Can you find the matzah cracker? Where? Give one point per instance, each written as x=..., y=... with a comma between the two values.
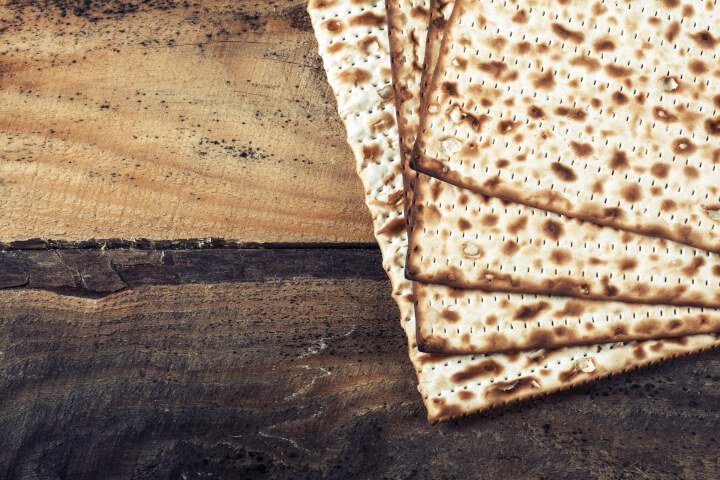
x=463, y=239
x=466, y=321
x=600, y=110
x=451, y=385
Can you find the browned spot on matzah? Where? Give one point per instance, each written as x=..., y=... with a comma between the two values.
x=486, y=368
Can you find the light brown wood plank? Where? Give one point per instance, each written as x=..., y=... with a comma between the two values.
x=167, y=119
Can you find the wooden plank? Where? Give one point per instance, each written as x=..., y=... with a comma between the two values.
x=281, y=370
x=168, y=119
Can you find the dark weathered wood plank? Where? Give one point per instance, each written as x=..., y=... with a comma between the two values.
x=275, y=369
x=82, y=272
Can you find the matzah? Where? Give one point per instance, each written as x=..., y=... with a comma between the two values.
x=451, y=385
x=466, y=321
x=599, y=110
x=463, y=239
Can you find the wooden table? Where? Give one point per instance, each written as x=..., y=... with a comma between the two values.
x=254, y=336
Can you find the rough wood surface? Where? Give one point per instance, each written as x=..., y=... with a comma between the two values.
x=170, y=119
x=289, y=364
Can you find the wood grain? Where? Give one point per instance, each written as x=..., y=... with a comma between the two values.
x=169, y=119
x=277, y=369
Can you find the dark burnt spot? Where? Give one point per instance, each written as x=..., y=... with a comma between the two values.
x=393, y=228
x=502, y=163
x=563, y=331
x=334, y=26
x=674, y=324
x=618, y=71
x=466, y=395
x=668, y=205
x=613, y=212
x=567, y=34
x=631, y=192
x=604, y=45
x=698, y=67
x=493, y=68
x=498, y=43
x=663, y=115
x=545, y=81
x=490, y=220
x=510, y=247
x=660, y=170
x=683, y=146
x=647, y=326
x=368, y=19
x=552, y=229
x=450, y=315
x=371, y=152
x=486, y=368
x=581, y=149
x=336, y=47
x=536, y=112
x=573, y=113
x=383, y=122
x=464, y=224
x=523, y=47
x=691, y=172
x=628, y=264
x=692, y=269
x=639, y=352
x=511, y=388
x=419, y=12
x=475, y=121
x=447, y=411
x=572, y=308
x=712, y=125
x=563, y=172
x=435, y=190
x=619, y=330
x=704, y=39
x=568, y=375
x=716, y=270
x=560, y=256
x=517, y=225
x=490, y=320
x=716, y=101
x=530, y=312
x=670, y=3
x=541, y=338
x=586, y=62
x=520, y=17
x=619, y=160
x=672, y=31
x=608, y=289
x=450, y=88
x=354, y=76
x=506, y=126
x=619, y=98
x=716, y=155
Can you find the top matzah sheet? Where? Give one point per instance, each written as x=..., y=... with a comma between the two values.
x=606, y=111
x=451, y=386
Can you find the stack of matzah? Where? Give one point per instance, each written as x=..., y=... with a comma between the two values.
x=566, y=223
